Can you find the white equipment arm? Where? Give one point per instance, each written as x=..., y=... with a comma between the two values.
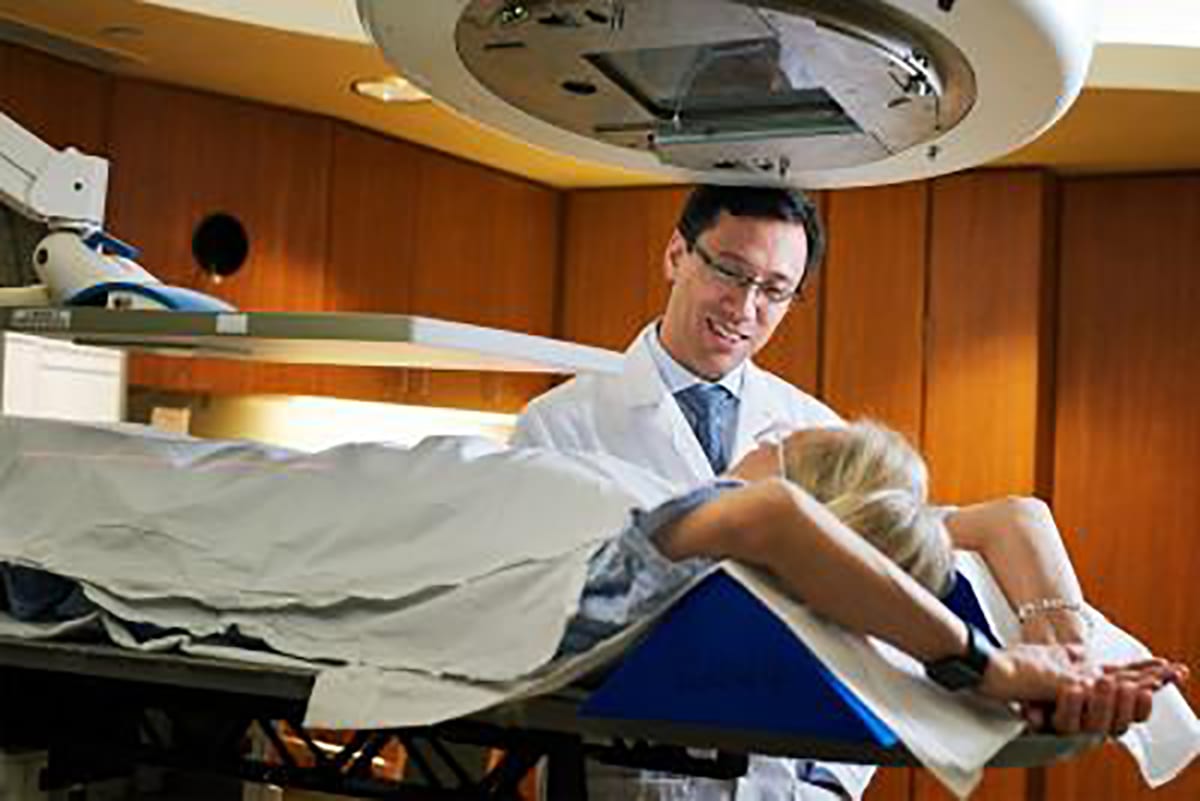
x=62, y=188
x=77, y=262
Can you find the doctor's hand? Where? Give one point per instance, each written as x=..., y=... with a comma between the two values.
x=765, y=461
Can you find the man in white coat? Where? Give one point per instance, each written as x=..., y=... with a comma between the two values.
x=689, y=402
x=736, y=262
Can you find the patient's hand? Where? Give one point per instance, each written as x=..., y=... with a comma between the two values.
x=1123, y=695
x=1060, y=688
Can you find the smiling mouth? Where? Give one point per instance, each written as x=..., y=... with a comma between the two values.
x=727, y=334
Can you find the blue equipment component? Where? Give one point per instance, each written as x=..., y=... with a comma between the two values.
x=721, y=658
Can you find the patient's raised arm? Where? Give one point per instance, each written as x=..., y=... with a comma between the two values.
x=774, y=525
x=1021, y=543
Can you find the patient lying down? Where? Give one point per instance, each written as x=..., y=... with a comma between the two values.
x=865, y=480
x=341, y=555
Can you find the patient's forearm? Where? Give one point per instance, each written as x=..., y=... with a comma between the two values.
x=1021, y=544
x=781, y=529
x=778, y=527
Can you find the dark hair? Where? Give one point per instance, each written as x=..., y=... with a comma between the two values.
x=707, y=201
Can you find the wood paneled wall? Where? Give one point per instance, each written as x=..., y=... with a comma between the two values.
x=614, y=279
x=179, y=156
x=875, y=286
x=337, y=218
x=1127, y=455
x=64, y=104
x=991, y=280
x=486, y=252
x=874, y=280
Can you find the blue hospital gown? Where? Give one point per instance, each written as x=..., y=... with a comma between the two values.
x=629, y=577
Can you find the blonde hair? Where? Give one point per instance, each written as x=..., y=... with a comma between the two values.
x=877, y=484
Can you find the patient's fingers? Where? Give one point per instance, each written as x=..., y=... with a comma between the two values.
x=1156, y=664
x=1037, y=715
x=1107, y=702
x=1141, y=664
x=1100, y=707
x=1125, y=710
x=1143, y=705
x=1152, y=673
x=1159, y=668
x=1108, y=707
x=1068, y=710
x=1078, y=653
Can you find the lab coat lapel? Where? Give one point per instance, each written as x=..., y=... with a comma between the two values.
x=654, y=414
x=758, y=412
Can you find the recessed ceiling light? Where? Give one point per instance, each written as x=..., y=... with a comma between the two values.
x=393, y=89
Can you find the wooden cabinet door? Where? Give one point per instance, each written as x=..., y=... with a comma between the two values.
x=373, y=243
x=873, y=333
x=486, y=252
x=990, y=345
x=613, y=275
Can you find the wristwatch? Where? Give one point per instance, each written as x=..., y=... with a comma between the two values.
x=964, y=671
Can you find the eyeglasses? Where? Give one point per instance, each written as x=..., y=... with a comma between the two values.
x=776, y=293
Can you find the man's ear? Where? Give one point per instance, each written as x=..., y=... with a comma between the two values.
x=676, y=249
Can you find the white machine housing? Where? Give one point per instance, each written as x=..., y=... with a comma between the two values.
x=570, y=76
x=76, y=261
x=60, y=187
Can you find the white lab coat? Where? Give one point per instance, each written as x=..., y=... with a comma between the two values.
x=632, y=415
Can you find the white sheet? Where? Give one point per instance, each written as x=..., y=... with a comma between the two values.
x=339, y=555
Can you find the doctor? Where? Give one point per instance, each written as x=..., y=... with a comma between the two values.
x=689, y=402
x=736, y=262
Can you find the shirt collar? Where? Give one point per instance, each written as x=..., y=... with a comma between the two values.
x=677, y=377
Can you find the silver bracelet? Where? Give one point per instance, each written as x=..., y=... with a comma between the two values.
x=1041, y=606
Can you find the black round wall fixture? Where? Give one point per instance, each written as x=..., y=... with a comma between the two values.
x=220, y=244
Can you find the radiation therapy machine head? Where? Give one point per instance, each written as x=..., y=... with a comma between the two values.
x=818, y=93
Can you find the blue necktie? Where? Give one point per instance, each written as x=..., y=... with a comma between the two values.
x=709, y=409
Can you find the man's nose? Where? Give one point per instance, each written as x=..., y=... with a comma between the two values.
x=747, y=299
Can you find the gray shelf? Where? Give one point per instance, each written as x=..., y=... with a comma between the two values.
x=382, y=340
